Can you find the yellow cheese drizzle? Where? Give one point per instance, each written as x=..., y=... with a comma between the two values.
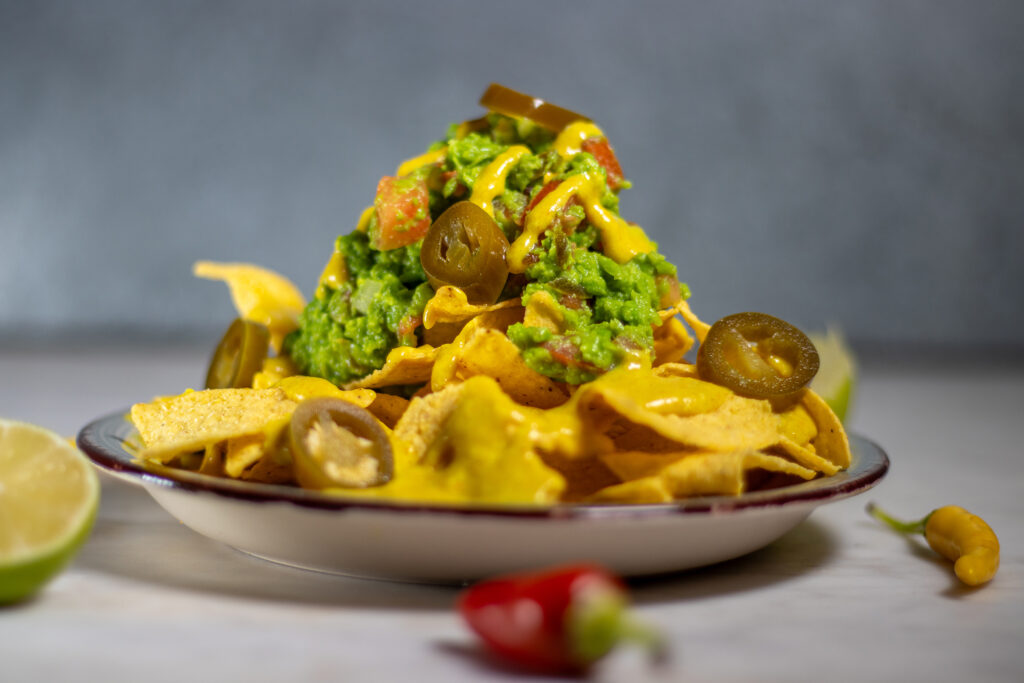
x=333, y=275
x=491, y=181
x=569, y=141
x=410, y=165
x=622, y=241
x=364, y=219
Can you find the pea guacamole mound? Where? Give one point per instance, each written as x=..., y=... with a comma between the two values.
x=553, y=197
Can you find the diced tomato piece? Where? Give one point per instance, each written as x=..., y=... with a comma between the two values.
x=445, y=176
x=669, y=290
x=403, y=212
x=565, y=352
x=570, y=300
x=407, y=329
x=409, y=323
x=602, y=151
x=544, y=192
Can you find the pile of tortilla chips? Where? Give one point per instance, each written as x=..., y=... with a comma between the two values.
x=486, y=428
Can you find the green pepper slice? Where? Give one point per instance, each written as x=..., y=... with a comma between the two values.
x=238, y=356
x=757, y=355
x=465, y=248
x=514, y=103
x=335, y=443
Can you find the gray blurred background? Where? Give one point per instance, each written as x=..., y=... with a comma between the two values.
x=860, y=163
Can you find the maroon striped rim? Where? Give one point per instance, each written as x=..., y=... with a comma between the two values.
x=105, y=439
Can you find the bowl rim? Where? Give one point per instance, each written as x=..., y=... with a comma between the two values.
x=104, y=441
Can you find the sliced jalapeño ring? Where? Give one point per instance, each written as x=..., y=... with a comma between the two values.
x=239, y=355
x=465, y=248
x=514, y=103
x=757, y=355
x=335, y=443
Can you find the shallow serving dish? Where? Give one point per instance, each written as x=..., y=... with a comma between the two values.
x=446, y=543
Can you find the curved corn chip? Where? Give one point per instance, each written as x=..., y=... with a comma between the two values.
x=470, y=441
x=671, y=341
x=259, y=295
x=403, y=365
x=831, y=441
x=450, y=305
x=544, y=312
x=699, y=327
x=194, y=420
x=694, y=474
x=489, y=352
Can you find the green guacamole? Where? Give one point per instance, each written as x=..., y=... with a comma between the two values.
x=607, y=311
x=346, y=333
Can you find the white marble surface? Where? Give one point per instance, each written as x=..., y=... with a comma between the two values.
x=839, y=598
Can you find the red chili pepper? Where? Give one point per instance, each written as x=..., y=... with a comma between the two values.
x=561, y=619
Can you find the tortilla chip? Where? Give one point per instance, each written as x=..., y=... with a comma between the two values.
x=300, y=387
x=806, y=457
x=675, y=369
x=645, y=491
x=446, y=367
x=442, y=333
x=544, y=312
x=404, y=365
x=485, y=449
x=583, y=476
x=671, y=341
x=699, y=327
x=194, y=420
x=450, y=305
x=242, y=452
x=797, y=425
x=630, y=465
x=645, y=390
x=703, y=474
x=274, y=369
x=831, y=441
x=737, y=423
x=723, y=473
x=259, y=294
x=388, y=408
x=490, y=353
x=213, y=460
x=627, y=436
x=273, y=467
x=423, y=420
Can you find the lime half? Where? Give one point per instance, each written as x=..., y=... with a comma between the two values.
x=837, y=376
x=49, y=494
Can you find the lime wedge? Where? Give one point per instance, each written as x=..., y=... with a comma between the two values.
x=49, y=493
x=837, y=376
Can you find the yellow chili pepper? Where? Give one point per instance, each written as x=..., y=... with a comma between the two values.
x=957, y=535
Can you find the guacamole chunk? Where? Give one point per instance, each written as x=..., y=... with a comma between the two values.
x=608, y=311
x=346, y=333
x=602, y=311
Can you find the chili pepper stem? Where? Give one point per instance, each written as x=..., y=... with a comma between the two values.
x=915, y=527
x=598, y=624
x=647, y=637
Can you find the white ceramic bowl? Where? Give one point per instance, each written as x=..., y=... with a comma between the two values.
x=429, y=542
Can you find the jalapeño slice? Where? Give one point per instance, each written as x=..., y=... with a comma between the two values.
x=514, y=103
x=238, y=356
x=335, y=443
x=465, y=248
x=757, y=355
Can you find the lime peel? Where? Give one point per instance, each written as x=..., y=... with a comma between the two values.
x=836, y=380
x=49, y=495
